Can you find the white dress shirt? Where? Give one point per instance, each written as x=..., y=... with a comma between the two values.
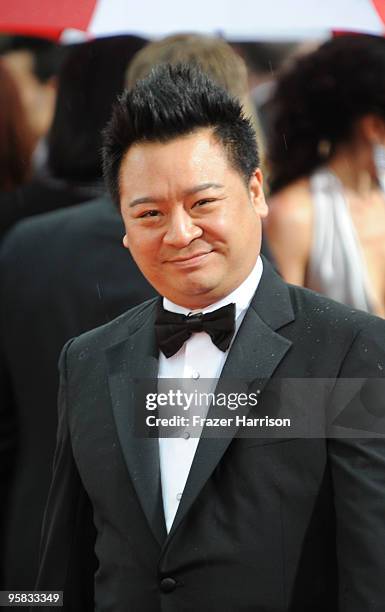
x=197, y=358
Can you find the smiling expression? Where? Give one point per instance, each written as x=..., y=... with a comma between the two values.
x=192, y=223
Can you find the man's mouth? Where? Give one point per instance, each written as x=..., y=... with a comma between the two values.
x=185, y=260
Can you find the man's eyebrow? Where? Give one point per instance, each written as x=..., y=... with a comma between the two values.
x=202, y=187
x=143, y=200
x=192, y=191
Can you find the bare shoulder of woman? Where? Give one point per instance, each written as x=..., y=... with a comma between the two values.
x=289, y=230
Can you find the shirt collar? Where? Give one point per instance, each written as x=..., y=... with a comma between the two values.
x=241, y=296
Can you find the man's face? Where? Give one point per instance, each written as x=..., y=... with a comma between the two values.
x=192, y=224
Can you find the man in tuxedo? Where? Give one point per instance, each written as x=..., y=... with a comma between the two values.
x=230, y=522
x=98, y=281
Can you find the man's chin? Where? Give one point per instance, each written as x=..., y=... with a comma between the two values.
x=196, y=295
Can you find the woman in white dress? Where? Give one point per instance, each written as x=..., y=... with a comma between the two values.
x=326, y=153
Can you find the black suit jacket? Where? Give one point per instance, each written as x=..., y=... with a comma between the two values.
x=61, y=274
x=41, y=195
x=264, y=524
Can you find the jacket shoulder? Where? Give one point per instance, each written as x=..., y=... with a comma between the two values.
x=114, y=331
x=312, y=305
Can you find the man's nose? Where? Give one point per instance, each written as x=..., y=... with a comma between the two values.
x=181, y=229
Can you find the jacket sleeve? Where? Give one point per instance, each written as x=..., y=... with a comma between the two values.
x=357, y=458
x=8, y=430
x=67, y=559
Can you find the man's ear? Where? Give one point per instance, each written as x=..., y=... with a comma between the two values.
x=125, y=241
x=257, y=197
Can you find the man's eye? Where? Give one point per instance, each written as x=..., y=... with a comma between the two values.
x=204, y=201
x=149, y=213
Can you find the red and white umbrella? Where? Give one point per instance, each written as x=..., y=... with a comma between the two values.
x=235, y=20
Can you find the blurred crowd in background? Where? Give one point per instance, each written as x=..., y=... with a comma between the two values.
x=319, y=115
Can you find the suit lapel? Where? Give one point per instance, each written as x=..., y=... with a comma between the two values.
x=129, y=362
x=255, y=354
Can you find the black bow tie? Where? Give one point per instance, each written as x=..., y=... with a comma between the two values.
x=172, y=329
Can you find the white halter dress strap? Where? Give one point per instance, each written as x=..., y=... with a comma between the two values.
x=336, y=266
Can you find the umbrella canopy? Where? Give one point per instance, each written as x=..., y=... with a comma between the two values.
x=235, y=20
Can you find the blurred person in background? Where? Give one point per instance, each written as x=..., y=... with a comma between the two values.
x=16, y=139
x=63, y=273
x=90, y=79
x=264, y=60
x=212, y=54
x=326, y=158
x=34, y=64
x=37, y=308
